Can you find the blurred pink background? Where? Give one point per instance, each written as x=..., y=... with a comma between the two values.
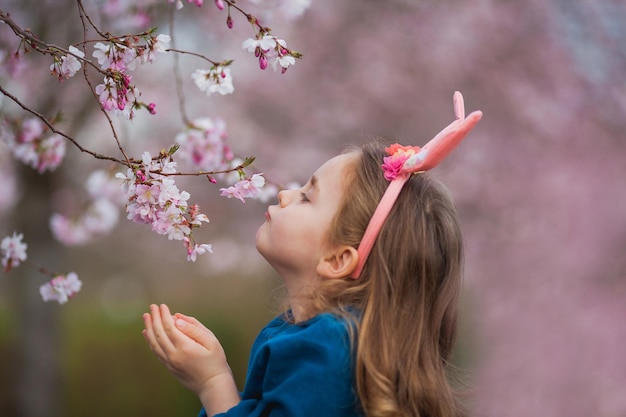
x=539, y=183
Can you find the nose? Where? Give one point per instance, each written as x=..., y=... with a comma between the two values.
x=283, y=198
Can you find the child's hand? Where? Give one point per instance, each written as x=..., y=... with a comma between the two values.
x=188, y=349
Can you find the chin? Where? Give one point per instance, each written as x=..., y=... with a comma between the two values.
x=258, y=241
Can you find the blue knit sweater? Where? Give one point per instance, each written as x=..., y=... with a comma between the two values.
x=299, y=370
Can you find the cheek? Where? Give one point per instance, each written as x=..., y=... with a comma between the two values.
x=288, y=236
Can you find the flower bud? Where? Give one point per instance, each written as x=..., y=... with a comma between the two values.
x=263, y=62
x=151, y=107
x=126, y=79
x=229, y=22
x=219, y=4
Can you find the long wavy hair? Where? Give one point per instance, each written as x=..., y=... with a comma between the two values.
x=407, y=294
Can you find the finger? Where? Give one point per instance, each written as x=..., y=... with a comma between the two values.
x=196, y=331
x=182, y=320
x=160, y=335
x=190, y=326
x=169, y=325
x=148, y=335
x=189, y=319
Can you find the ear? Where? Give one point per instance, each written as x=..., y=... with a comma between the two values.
x=338, y=263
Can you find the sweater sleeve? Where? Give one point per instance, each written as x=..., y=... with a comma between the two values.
x=303, y=371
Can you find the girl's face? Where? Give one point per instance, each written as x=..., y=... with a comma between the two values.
x=294, y=236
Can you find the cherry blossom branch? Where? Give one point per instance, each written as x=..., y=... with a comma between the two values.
x=58, y=132
x=150, y=194
x=59, y=288
x=129, y=162
x=251, y=18
x=223, y=63
x=83, y=16
x=37, y=44
x=25, y=34
x=49, y=49
x=239, y=168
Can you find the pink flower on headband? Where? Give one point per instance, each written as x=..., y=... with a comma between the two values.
x=394, y=164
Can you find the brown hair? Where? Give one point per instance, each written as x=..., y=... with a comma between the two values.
x=407, y=294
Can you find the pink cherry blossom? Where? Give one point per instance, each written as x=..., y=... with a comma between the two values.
x=114, y=56
x=203, y=145
x=246, y=188
x=264, y=44
x=119, y=96
x=154, y=199
x=51, y=152
x=36, y=150
x=99, y=217
x=61, y=288
x=12, y=251
x=32, y=129
x=192, y=253
x=171, y=222
x=107, y=94
x=159, y=45
x=68, y=65
x=197, y=218
x=68, y=231
x=270, y=51
x=215, y=80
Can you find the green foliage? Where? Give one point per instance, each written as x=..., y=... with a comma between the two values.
x=108, y=370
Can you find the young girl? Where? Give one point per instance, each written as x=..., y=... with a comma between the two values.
x=370, y=250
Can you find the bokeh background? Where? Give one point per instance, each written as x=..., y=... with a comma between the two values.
x=539, y=184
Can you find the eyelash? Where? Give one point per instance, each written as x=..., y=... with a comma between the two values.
x=304, y=198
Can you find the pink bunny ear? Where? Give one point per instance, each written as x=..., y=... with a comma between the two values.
x=445, y=141
x=427, y=157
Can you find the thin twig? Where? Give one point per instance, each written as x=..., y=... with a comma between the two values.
x=82, y=15
x=177, y=74
x=58, y=132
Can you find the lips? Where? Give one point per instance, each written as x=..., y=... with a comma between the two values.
x=267, y=216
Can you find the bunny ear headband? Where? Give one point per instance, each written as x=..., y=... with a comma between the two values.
x=406, y=160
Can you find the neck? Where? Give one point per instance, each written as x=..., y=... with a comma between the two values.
x=299, y=296
x=300, y=285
